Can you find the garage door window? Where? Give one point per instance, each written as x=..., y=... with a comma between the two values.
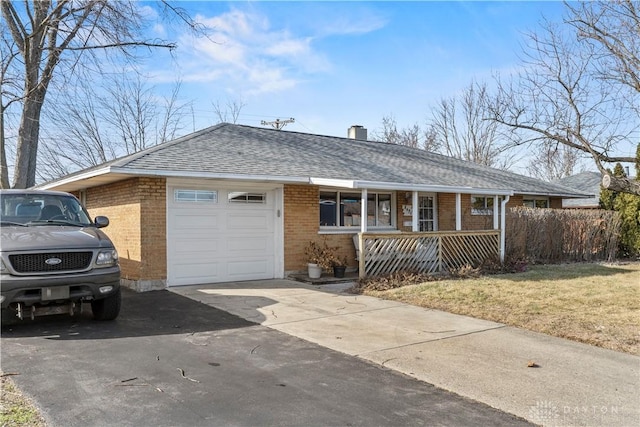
x=198, y=196
x=244, y=197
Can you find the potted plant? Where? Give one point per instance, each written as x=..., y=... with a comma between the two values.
x=315, y=259
x=321, y=256
x=339, y=266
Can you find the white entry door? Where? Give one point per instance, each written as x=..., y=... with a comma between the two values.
x=220, y=234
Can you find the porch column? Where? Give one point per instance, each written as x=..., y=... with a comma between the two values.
x=415, y=214
x=363, y=211
x=458, y=212
x=495, y=213
x=363, y=229
x=503, y=239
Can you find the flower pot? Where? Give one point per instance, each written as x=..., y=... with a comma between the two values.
x=314, y=271
x=339, y=270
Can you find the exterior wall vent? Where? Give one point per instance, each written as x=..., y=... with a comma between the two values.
x=357, y=132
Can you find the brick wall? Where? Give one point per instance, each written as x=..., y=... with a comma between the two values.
x=301, y=221
x=152, y=193
x=555, y=202
x=301, y=225
x=136, y=209
x=119, y=201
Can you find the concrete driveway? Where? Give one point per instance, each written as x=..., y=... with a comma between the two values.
x=169, y=360
x=572, y=384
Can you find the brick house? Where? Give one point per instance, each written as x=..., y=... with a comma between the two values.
x=233, y=202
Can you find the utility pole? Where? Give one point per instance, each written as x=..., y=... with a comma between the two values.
x=278, y=124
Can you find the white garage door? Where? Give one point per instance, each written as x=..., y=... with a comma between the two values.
x=219, y=235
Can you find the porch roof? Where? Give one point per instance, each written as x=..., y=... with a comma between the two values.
x=245, y=153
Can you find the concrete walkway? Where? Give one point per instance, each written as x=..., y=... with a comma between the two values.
x=572, y=384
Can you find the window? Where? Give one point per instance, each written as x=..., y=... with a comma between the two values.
x=244, y=197
x=482, y=205
x=379, y=212
x=198, y=196
x=534, y=202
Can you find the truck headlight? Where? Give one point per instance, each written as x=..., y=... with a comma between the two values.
x=107, y=258
x=3, y=268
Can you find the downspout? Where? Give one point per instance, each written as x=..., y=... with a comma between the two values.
x=503, y=216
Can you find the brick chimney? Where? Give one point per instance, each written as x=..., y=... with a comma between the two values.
x=357, y=132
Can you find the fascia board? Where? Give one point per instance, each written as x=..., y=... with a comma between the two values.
x=431, y=188
x=565, y=195
x=329, y=182
x=74, y=178
x=374, y=185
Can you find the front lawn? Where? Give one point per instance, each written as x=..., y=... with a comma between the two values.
x=592, y=303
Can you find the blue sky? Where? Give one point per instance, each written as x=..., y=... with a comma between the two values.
x=331, y=64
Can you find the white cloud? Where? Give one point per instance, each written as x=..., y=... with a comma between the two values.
x=243, y=47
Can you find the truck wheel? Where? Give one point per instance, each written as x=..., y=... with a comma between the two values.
x=106, y=308
x=8, y=317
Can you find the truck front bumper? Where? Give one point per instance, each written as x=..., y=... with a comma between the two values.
x=29, y=290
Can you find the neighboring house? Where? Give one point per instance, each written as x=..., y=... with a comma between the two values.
x=232, y=202
x=584, y=182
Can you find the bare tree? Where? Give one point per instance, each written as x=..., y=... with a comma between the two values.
x=552, y=161
x=410, y=136
x=121, y=116
x=463, y=130
x=53, y=38
x=579, y=86
x=230, y=112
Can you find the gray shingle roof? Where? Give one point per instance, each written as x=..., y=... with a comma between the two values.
x=236, y=150
x=584, y=182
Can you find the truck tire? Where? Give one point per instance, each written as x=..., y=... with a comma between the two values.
x=8, y=317
x=107, y=308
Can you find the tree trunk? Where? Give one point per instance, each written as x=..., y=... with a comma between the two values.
x=4, y=168
x=620, y=184
x=27, y=147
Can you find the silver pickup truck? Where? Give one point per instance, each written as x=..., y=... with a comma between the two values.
x=53, y=258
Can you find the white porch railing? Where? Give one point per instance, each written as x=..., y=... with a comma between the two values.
x=424, y=252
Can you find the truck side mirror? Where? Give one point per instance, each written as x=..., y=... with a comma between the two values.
x=101, y=221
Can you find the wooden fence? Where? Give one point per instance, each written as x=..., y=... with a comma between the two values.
x=424, y=252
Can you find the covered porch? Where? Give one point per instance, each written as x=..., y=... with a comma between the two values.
x=409, y=245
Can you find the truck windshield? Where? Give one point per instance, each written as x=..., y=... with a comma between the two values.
x=38, y=209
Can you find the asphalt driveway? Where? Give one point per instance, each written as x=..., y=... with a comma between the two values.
x=171, y=361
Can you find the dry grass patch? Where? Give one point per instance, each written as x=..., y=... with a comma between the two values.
x=591, y=303
x=15, y=409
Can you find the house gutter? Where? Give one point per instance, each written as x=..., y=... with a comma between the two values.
x=74, y=178
x=128, y=172
x=375, y=185
x=210, y=175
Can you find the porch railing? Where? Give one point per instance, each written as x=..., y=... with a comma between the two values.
x=424, y=252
